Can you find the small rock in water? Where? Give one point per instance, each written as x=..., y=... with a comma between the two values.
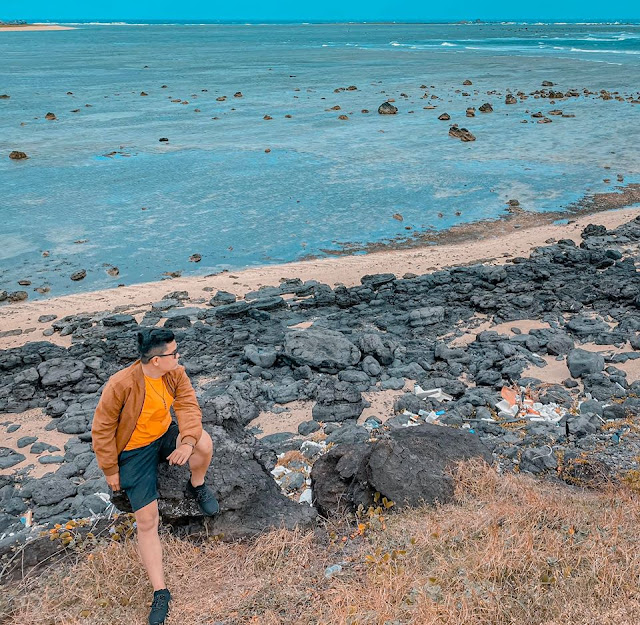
x=398, y=217
x=17, y=296
x=195, y=258
x=78, y=275
x=16, y=155
x=486, y=108
x=113, y=271
x=50, y=116
x=461, y=133
x=387, y=109
x=445, y=117
x=163, y=139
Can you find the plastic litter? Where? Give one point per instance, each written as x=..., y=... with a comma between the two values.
x=332, y=570
x=306, y=497
x=433, y=393
x=27, y=518
x=522, y=406
x=372, y=423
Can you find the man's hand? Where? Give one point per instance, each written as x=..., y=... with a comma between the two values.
x=181, y=454
x=113, y=481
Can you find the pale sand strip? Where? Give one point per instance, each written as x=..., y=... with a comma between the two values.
x=34, y=27
x=345, y=270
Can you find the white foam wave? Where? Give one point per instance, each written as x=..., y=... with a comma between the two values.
x=447, y=44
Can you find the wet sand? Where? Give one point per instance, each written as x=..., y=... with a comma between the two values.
x=34, y=27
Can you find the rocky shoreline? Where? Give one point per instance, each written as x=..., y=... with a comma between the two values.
x=426, y=337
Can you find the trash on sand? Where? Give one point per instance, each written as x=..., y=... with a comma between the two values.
x=372, y=423
x=433, y=393
x=27, y=518
x=523, y=406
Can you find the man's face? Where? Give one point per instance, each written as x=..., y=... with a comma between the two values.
x=168, y=359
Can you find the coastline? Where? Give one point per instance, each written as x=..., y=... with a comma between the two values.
x=493, y=245
x=35, y=27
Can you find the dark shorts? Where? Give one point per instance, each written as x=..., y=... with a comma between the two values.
x=139, y=468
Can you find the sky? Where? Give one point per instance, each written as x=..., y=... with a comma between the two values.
x=327, y=10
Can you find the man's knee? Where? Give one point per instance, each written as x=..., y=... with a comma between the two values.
x=205, y=444
x=147, y=518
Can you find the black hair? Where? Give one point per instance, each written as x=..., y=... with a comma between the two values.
x=151, y=342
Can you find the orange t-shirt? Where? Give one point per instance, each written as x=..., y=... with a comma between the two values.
x=155, y=417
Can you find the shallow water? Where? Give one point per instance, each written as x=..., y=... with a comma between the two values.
x=212, y=189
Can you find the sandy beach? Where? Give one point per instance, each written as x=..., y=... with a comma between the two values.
x=347, y=270
x=34, y=27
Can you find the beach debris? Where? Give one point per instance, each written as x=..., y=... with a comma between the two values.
x=432, y=393
x=444, y=117
x=386, y=108
x=519, y=403
x=398, y=217
x=461, y=133
x=50, y=116
x=306, y=496
x=486, y=108
x=78, y=275
x=195, y=258
x=16, y=155
x=330, y=571
x=510, y=99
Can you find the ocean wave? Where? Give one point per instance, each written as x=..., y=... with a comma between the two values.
x=604, y=51
x=450, y=45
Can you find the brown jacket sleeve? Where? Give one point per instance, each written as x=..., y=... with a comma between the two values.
x=187, y=409
x=103, y=430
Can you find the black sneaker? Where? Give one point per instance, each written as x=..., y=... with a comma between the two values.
x=206, y=499
x=159, y=607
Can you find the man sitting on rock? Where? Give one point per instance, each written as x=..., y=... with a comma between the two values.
x=132, y=432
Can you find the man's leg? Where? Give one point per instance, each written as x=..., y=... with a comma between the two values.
x=201, y=459
x=199, y=463
x=149, y=544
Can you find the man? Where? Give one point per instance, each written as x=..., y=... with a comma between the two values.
x=132, y=432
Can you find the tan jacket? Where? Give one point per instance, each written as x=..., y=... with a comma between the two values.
x=120, y=406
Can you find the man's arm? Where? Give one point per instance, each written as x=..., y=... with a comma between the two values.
x=187, y=409
x=103, y=430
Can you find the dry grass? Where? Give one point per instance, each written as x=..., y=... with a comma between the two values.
x=511, y=550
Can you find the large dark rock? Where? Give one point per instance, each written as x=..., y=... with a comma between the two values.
x=321, y=349
x=582, y=362
x=409, y=467
x=250, y=500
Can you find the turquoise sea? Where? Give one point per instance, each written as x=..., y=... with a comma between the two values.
x=326, y=183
